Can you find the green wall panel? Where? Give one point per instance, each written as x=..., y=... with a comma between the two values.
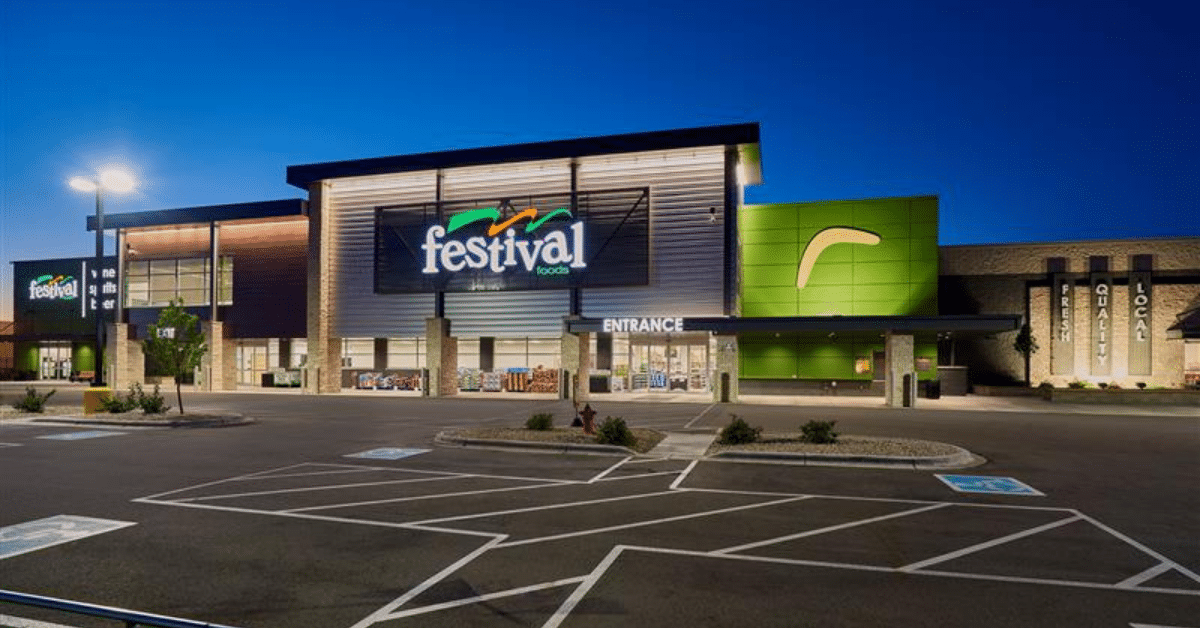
x=897, y=276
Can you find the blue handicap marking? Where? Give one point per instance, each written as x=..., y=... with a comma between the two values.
x=82, y=435
x=35, y=535
x=388, y=453
x=988, y=484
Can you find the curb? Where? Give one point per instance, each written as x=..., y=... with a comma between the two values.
x=961, y=458
x=217, y=421
x=444, y=438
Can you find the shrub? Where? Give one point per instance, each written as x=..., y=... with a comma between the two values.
x=117, y=404
x=739, y=432
x=1077, y=384
x=1141, y=385
x=1103, y=385
x=33, y=401
x=542, y=422
x=613, y=431
x=1046, y=386
x=152, y=403
x=1114, y=386
x=819, y=432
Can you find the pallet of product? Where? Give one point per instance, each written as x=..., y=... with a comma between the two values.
x=492, y=381
x=544, y=381
x=468, y=379
x=516, y=380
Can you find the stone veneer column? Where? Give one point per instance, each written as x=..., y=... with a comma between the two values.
x=726, y=363
x=441, y=357
x=323, y=370
x=218, y=366
x=575, y=358
x=124, y=363
x=898, y=351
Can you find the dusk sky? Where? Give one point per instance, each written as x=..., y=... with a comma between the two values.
x=1032, y=121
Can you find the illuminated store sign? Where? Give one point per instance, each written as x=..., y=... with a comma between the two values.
x=643, y=325
x=553, y=254
x=1140, y=310
x=1062, y=340
x=64, y=287
x=589, y=239
x=1101, y=324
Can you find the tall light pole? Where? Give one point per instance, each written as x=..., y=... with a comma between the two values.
x=113, y=181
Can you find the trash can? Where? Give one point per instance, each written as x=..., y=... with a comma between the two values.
x=933, y=389
x=92, y=398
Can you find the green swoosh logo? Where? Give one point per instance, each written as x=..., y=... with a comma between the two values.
x=534, y=225
x=475, y=215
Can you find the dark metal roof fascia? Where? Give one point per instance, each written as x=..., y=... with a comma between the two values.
x=899, y=324
x=726, y=135
x=210, y=213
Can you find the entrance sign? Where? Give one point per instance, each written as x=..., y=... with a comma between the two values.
x=1062, y=332
x=591, y=239
x=643, y=325
x=1101, y=350
x=1140, y=311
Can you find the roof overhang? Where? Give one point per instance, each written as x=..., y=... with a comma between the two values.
x=981, y=324
x=742, y=136
x=1188, y=326
x=201, y=215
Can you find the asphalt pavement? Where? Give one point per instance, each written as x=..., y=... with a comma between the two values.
x=340, y=511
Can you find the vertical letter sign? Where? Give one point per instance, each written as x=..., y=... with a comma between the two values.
x=1101, y=324
x=1139, y=323
x=1062, y=340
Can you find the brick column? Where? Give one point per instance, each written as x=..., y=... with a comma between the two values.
x=898, y=352
x=218, y=366
x=726, y=364
x=323, y=370
x=124, y=363
x=576, y=360
x=441, y=357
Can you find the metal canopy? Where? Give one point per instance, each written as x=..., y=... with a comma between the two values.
x=206, y=214
x=897, y=324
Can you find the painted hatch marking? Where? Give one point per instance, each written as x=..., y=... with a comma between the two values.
x=42, y=533
x=388, y=453
x=82, y=435
x=987, y=484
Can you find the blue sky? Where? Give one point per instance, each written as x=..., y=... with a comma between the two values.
x=1032, y=121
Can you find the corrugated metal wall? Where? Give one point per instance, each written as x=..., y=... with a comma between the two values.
x=686, y=249
x=360, y=313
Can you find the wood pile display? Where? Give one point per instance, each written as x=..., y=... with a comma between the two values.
x=544, y=380
x=516, y=380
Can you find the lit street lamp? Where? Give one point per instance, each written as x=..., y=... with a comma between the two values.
x=113, y=181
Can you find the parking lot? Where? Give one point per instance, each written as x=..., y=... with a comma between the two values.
x=375, y=526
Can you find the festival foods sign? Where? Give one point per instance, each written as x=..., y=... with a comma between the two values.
x=60, y=296
x=528, y=243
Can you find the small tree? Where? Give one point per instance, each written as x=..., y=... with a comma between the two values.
x=1026, y=345
x=176, y=343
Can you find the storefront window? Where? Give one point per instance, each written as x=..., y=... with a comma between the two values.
x=1191, y=362
x=299, y=353
x=155, y=283
x=358, y=353
x=511, y=353
x=544, y=353
x=406, y=353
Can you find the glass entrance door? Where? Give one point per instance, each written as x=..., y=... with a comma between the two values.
x=55, y=360
x=668, y=364
x=252, y=359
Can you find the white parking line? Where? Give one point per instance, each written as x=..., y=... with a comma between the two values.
x=20, y=622
x=484, y=598
x=382, y=613
x=1145, y=576
x=684, y=474
x=395, y=500
x=514, y=511
x=610, y=469
x=321, y=488
x=688, y=425
x=582, y=590
x=992, y=543
x=843, y=526
x=651, y=522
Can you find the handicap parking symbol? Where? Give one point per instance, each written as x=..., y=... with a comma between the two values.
x=387, y=453
x=82, y=435
x=988, y=484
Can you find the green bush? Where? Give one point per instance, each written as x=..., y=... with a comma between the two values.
x=739, y=432
x=33, y=401
x=117, y=404
x=819, y=432
x=613, y=431
x=1046, y=386
x=152, y=403
x=1077, y=384
x=541, y=422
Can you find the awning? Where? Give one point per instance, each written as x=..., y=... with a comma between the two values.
x=983, y=324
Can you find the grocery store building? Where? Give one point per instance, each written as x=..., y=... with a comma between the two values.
x=605, y=265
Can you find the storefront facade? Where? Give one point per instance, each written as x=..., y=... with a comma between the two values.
x=618, y=264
